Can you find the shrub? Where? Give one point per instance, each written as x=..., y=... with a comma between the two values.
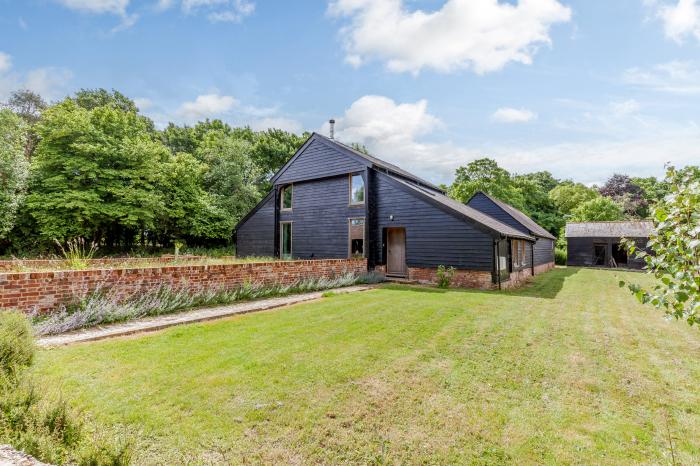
x=444, y=276
x=78, y=252
x=31, y=421
x=16, y=344
x=560, y=256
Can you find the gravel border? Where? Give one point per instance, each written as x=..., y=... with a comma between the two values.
x=152, y=324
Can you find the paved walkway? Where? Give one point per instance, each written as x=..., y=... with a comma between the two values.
x=151, y=324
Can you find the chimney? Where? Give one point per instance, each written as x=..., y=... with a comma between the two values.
x=332, y=122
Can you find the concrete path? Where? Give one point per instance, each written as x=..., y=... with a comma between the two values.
x=151, y=324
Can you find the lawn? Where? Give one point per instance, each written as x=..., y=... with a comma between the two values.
x=568, y=370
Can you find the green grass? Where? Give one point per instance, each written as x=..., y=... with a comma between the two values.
x=568, y=370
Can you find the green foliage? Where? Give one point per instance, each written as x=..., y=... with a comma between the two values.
x=560, y=256
x=16, y=345
x=538, y=205
x=78, y=252
x=598, y=209
x=485, y=175
x=675, y=261
x=444, y=276
x=45, y=428
x=14, y=169
x=91, y=99
x=568, y=196
x=94, y=173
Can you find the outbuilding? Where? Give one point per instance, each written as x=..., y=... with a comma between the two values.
x=598, y=244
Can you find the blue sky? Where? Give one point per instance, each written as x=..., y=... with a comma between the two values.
x=581, y=88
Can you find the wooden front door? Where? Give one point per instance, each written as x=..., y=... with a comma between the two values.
x=396, y=251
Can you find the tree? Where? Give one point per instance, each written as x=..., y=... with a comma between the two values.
x=231, y=176
x=90, y=99
x=14, y=168
x=535, y=188
x=599, y=209
x=95, y=174
x=653, y=190
x=190, y=213
x=485, y=175
x=621, y=189
x=569, y=195
x=27, y=104
x=675, y=261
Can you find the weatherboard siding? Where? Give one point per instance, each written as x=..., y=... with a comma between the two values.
x=319, y=160
x=490, y=208
x=319, y=216
x=256, y=235
x=433, y=236
x=544, y=251
x=580, y=251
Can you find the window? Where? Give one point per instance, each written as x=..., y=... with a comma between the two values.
x=519, y=254
x=356, y=237
x=285, y=240
x=357, y=190
x=286, y=197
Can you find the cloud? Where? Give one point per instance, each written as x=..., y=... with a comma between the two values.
x=233, y=11
x=50, y=82
x=143, y=103
x=482, y=35
x=624, y=108
x=286, y=124
x=207, y=106
x=513, y=115
x=5, y=62
x=681, y=19
x=677, y=77
x=115, y=7
x=397, y=133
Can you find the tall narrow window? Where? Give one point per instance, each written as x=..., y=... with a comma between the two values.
x=357, y=237
x=357, y=190
x=286, y=197
x=515, y=252
x=286, y=240
x=523, y=254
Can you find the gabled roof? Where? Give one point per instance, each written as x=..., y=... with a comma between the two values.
x=463, y=210
x=367, y=159
x=626, y=229
x=519, y=217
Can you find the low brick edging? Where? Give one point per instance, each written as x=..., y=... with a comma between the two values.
x=542, y=268
x=46, y=291
x=464, y=278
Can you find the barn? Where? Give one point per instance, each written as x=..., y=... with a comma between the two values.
x=597, y=244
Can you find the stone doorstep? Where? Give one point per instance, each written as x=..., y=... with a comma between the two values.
x=152, y=324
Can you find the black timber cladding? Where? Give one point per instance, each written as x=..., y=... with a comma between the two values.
x=433, y=236
x=255, y=234
x=319, y=216
x=318, y=160
x=544, y=251
x=484, y=204
x=581, y=251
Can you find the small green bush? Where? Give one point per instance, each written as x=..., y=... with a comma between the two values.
x=444, y=276
x=16, y=343
x=560, y=256
x=35, y=423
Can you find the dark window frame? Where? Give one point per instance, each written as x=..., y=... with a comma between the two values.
x=351, y=200
x=364, y=237
x=291, y=200
x=291, y=239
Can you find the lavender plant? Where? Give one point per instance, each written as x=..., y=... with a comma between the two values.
x=104, y=306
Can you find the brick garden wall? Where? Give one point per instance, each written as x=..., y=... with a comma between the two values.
x=45, y=291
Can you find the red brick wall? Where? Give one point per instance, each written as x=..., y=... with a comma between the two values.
x=45, y=291
x=461, y=279
x=544, y=268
